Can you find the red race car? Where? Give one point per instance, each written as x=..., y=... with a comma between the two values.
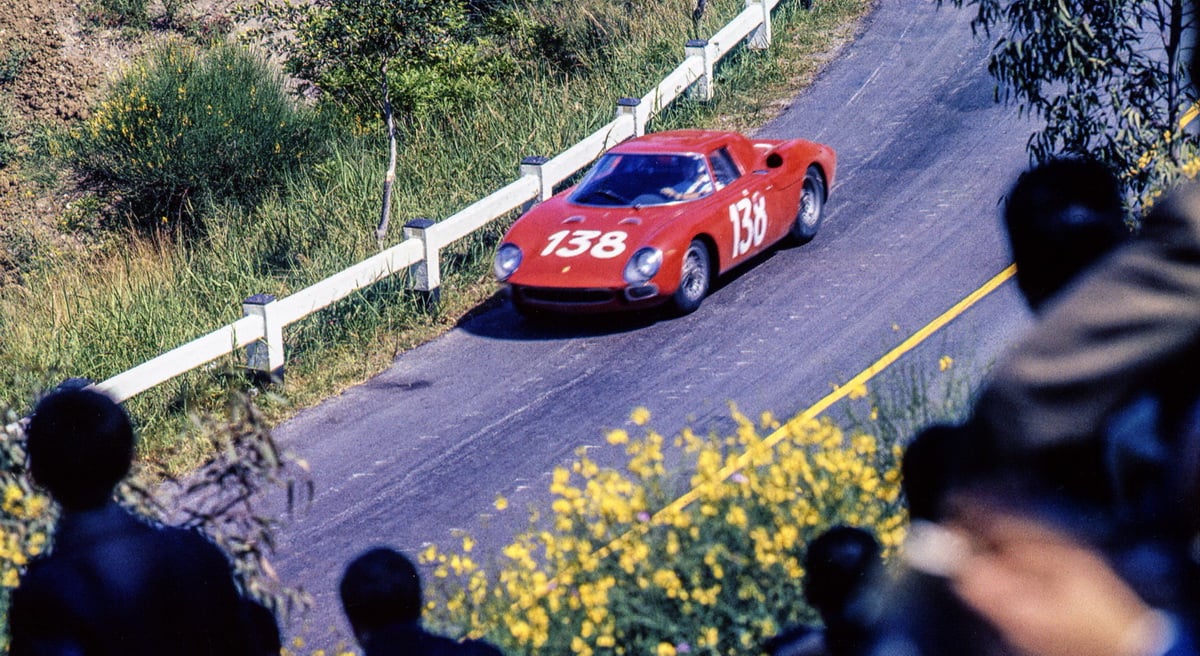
x=658, y=217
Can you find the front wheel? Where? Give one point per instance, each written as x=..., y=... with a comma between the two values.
x=812, y=206
x=694, y=279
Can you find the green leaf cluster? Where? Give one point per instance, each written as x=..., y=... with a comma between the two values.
x=345, y=48
x=121, y=13
x=1107, y=78
x=437, y=55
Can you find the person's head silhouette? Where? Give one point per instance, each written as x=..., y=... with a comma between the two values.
x=80, y=445
x=1062, y=216
x=839, y=565
x=380, y=588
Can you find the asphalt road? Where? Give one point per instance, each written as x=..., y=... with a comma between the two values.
x=493, y=406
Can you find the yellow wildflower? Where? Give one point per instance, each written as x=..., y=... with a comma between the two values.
x=640, y=416
x=858, y=391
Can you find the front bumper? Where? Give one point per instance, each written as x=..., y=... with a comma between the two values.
x=586, y=300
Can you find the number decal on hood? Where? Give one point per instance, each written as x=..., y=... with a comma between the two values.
x=600, y=245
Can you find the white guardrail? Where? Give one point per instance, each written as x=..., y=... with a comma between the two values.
x=260, y=331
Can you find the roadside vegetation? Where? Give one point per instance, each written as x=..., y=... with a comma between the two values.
x=160, y=235
x=638, y=559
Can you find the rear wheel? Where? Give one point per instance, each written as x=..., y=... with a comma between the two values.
x=694, y=279
x=812, y=206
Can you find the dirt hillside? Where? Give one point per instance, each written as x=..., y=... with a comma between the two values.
x=47, y=58
x=49, y=68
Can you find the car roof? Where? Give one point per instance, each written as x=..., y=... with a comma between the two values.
x=675, y=141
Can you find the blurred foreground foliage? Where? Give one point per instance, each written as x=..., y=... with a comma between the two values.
x=227, y=498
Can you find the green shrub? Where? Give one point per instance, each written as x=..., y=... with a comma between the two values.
x=12, y=63
x=580, y=41
x=341, y=47
x=187, y=128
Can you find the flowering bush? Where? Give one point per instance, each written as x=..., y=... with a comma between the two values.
x=187, y=127
x=623, y=564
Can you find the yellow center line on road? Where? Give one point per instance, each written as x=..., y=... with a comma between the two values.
x=812, y=412
x=861, y=379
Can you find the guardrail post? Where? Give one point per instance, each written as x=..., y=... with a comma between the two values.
x=264, y=358
x=629, y=107
x=534, y=166
x=425, y=277
x=760, y=38
x=702, y=90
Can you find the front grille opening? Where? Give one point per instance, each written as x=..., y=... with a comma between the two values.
x=566, y=296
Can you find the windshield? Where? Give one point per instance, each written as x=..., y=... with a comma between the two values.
x=623, y=180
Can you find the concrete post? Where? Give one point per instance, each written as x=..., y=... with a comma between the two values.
x=264, y=358
x=702, y=90
x=425, y=277
x=534, y=166
x=760, y=38
x=629, y=107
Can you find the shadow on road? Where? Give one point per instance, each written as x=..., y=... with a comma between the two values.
x=495, y=318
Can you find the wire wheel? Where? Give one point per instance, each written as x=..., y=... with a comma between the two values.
x=694, y=279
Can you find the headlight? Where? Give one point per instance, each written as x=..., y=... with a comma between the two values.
x=643, y=265
x=508, y=258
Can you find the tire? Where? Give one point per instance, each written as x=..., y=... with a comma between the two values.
x=812, y=206
x=695, y=277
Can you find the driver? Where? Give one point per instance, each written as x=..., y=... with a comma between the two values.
x=698, y=184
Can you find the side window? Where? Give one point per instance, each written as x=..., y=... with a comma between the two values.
x=723, y=167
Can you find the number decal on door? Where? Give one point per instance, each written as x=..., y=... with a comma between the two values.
x=604, y=246
x=749, y=219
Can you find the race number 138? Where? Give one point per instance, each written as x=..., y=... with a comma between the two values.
x=749, y=219
x=570, y=243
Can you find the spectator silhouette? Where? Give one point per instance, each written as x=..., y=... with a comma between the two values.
x=114, y=583
x=842, y=566
x=1090, y=405
x=381, y=596
x=1061, y=218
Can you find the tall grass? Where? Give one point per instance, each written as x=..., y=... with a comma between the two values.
x=83, y=314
